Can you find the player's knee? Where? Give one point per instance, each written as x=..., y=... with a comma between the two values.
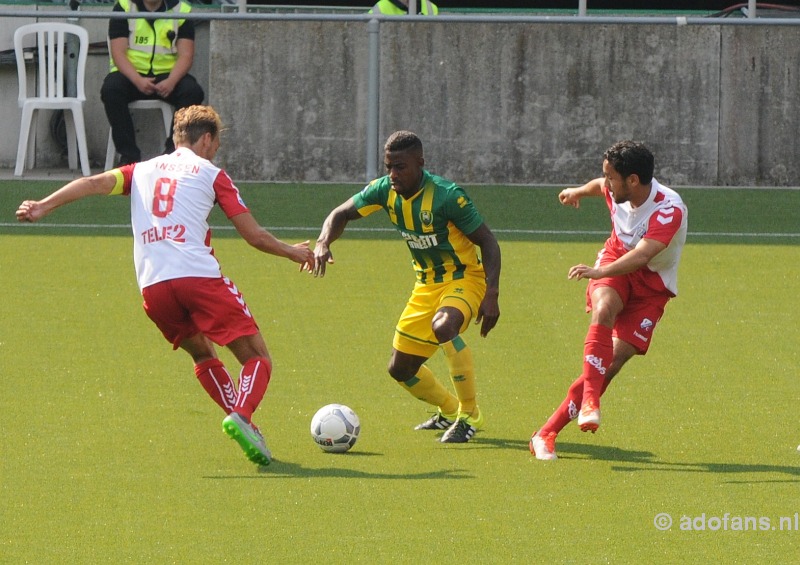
x=402, y=370
x=447, y=324
x=444, y=334
x=398, y=373
x=603, y=314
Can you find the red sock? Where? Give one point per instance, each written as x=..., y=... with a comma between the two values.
x=253, y=381
x=568, y=410
x=570, y=407
x=598, y=351
x=215, y=378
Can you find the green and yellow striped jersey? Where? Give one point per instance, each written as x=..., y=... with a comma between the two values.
x=433, y=223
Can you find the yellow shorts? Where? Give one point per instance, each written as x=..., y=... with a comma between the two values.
x=414, y=332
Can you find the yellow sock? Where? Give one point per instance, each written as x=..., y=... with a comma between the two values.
x=462, y=373
x=425, y=387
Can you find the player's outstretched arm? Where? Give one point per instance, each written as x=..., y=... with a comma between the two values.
x=34, y=210
x=332, y=229
x=261, y=239
x=572, y=196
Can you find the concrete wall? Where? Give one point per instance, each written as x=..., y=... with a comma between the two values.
x=297, y=107
x=512, y=103
x=760, y=106
x=539, y=103
x=531, y=103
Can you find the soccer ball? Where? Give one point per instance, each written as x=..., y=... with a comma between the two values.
x=335, y=428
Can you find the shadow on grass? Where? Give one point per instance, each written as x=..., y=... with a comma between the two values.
x=604, y=452
x=286, y=469
x=482, y=442
x=721, y=469
x=647, y=461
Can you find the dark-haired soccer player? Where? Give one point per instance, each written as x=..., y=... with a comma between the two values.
x=634, y=277
x=455, y=284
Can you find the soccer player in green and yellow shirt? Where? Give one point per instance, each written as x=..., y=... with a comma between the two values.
x=455, y=283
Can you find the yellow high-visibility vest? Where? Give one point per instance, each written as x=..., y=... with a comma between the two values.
x=151, y=48
x=389, y=8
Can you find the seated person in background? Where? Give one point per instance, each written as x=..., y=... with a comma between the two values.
x=150, y=59
x=400, y=8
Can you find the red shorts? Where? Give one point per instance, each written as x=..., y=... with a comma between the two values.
x=643, y=307
x=182, y=308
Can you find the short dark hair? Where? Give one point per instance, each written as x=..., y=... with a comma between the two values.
x=402, y=141
x=631, y=158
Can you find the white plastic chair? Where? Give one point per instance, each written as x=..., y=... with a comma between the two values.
x=166, y=114
x=51, y=57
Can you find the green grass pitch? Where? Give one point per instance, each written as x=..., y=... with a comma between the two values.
x=111, y=452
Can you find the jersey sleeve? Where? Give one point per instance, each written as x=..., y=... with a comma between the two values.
x=117, y=27
x=186, y=30
x=664, y=224
x=462, y=211
x=370, y=199
x=607, y=197
x=124, y=177
x=228, y=196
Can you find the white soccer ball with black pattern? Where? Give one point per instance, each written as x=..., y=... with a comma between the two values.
x=335, y=428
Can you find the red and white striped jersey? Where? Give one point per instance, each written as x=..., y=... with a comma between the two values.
x=662, y=217
x=171, y=198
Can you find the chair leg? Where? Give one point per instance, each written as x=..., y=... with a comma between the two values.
x=72, y=158
x=24, y=134
x=111, y=152
x=31, y=158
x=80, y=130
x=166, y=115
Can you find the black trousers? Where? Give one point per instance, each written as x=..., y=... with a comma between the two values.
x=117, y=92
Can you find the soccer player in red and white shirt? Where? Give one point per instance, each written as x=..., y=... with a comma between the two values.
x=184, y=291
x=633, y=278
